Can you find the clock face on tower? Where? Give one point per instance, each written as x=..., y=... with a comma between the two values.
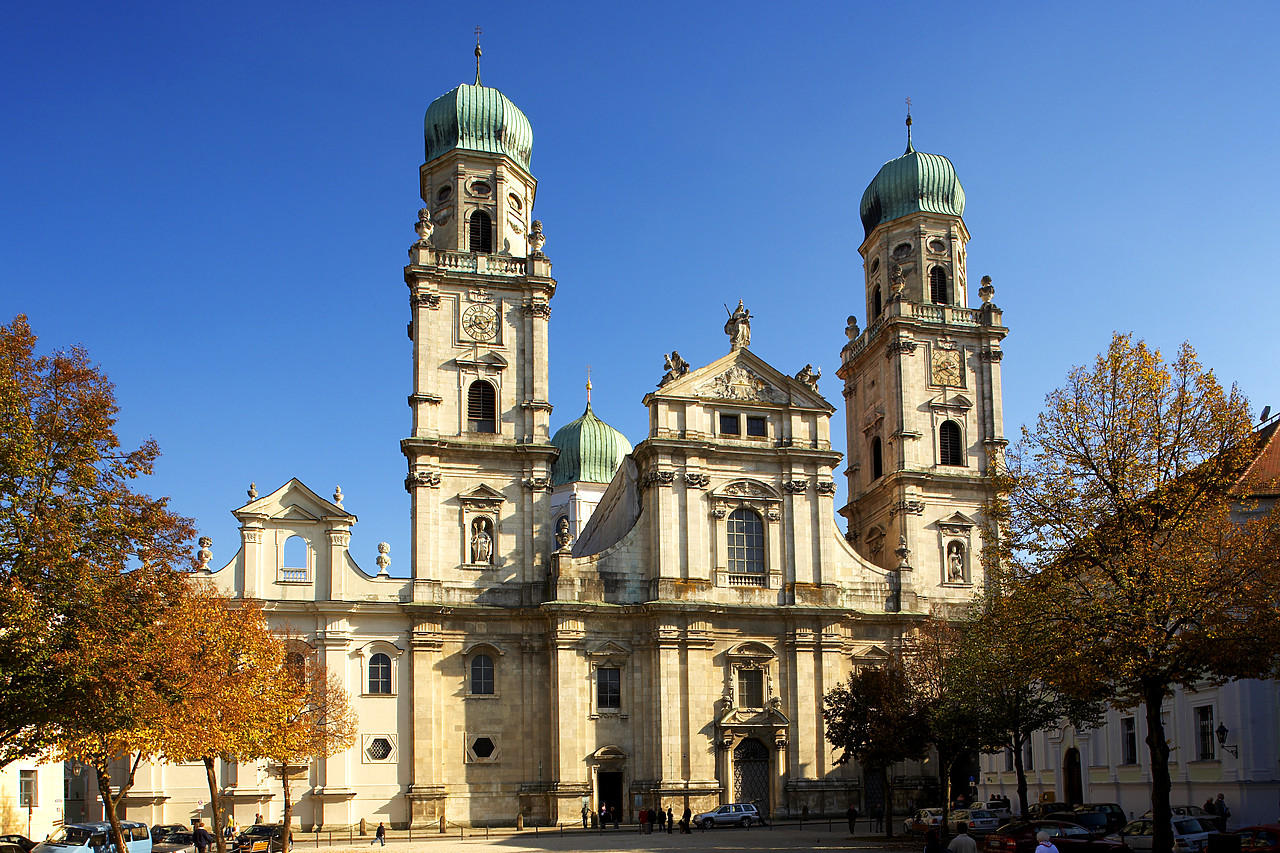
x=946, y=368
x=480, y=322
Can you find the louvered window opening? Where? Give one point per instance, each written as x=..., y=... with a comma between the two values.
x=949, y=450
x=481, y=232
x=482, y=407
x=938, y=286
x=745, y=548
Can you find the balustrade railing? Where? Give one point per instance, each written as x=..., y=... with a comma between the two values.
x=480, y=263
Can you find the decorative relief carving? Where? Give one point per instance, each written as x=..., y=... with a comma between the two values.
x=719, y=512
x=479, y=296
x=740, y=383
x=696, y=481
x=827, y=488
x=657, y=478
x=537, y=484
x=429, y=298
x=746, y=490
x=341, y=538
x=422, y=478
x=902, y=345
x=990, y=354
x=796, y=486
x=910, y=506
x=773, y=515
x=538, y=308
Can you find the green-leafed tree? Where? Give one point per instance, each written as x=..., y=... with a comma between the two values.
x=1114, y=548
x=876, y=719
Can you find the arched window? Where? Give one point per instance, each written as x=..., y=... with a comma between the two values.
x=876, y=305
x=295, y=559
x=877, y=459
x=380, y=674
x=482, y=675
x=482, y=407
x=938, y=286
x=481, y=232
x=296, y=664
x=745, y=543
x=949, y=449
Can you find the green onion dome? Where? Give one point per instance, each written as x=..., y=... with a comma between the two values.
x=477, y=118
x=590, y=451
x=912, y=183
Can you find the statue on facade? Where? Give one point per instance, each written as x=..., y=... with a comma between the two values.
x=675, y=366
x=563, y=536
x=424, y=227
x=738, y=327
x=481, y=542
x=536, y=240
x=809, y=376
x=955, y=562
x=897, y=280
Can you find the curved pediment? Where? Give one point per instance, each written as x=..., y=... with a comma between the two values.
x=744, y=488
x=611, y=752
x=751, y=650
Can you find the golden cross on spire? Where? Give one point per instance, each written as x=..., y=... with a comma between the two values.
x=478, y=31
x=588, y=385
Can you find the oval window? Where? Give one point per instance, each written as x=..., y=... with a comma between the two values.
x=875, y=266
x=516, y=204
x=481, y=188
x=902, y=250
x=444, y=192
x=937, y=246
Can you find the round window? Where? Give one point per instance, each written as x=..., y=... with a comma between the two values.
x=444, y=193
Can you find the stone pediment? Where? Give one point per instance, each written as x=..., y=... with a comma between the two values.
x=957, y=401
x=870, y=653
x=482, y=496
x=293, y=501
x=490, y=360
x=744, y=377
x=957, y=524
x=771, y=716
x=609, y=649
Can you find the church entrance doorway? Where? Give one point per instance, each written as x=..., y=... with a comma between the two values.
x=751, y=774
x=1072, y=782
x=609, y=791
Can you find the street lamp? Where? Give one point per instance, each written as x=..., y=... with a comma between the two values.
x=1222, y=732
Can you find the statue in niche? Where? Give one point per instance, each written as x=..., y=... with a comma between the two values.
x=481, y=542
x=738, y=327
x=955, y=562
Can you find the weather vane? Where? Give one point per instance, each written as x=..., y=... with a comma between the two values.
x=478, y=31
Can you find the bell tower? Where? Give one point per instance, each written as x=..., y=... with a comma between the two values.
x=921, y=387
x=480, y=289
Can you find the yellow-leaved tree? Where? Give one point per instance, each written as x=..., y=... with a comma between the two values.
x=226, y=654
x=308, y=715
x=1114, y=550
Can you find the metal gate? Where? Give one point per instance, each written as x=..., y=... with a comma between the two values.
x=751, y=774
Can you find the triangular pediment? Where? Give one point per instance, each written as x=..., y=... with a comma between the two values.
x=742, y=376
x=488, y=359
x=609, y=649
x=955, y=401
x=869, y=653
x=482, y=494
x=294, y=501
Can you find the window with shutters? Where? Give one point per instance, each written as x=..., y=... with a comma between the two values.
x=949, y=449
x=482, y=407
x=481, y=232
x=938, y=286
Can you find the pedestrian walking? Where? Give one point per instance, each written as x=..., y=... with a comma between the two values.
x=201, y=837
x=585, y=811
x=604, y=813
x=1044, y=844
x=685, y=820
x=852, y=816
x=381, y=835
x=1220, y=809
x=670, y=820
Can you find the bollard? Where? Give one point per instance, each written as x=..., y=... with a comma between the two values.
x=363, y=829
x=442, y=824
x=519, y=822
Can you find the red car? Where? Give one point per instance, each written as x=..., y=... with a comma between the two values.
x=1261, y=838
x=1020, y=837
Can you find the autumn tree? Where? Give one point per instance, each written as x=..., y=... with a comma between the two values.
x=875, y=718
x=223, y=654
x=87, y=565
x=1114, y=546
x=308, y=715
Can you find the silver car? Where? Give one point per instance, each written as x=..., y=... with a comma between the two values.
x=733, y=814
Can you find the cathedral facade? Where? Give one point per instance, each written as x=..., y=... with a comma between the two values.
x=589, y=624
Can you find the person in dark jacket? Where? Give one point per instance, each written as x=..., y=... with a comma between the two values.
x=202, y=838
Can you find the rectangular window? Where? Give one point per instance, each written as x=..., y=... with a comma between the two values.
x=751, y=688
x=608, y=688
x=1028, y=758
x=729, y=425
x=1008, y=758
x=757, y=427
x=1128, y=740
x=27, y=789
x=1204, y=733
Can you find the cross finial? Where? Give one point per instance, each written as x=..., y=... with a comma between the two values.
x=478, y=31
x=588, y=385
x=909, y=148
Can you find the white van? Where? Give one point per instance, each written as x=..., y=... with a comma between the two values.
x=95, y=838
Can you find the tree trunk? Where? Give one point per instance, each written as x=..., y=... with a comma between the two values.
x=1161, y=813
x=109, y=802
x=944, y=784
x=1019, y=767
x=215, y=802
x=886, y=807
x=287, y=832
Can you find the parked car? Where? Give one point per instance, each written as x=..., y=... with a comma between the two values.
x=978, y=821
x=1039, y=811
x=998, y=806
x=160, y=830
x=1096, y=822
x=91, y=837
x=1115, y=815
x=11, y=847
x=922, y=821
x=20, y=840
x=1184, y=811
x=1189, y=834
x=259, y=832
x=731, y=814
x=1020, y=837
x=176, y=842
x=1260, y=838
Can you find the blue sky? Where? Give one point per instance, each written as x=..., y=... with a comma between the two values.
x=216, y=200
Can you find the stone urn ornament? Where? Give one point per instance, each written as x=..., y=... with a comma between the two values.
x=424, y=227
x=536, y=239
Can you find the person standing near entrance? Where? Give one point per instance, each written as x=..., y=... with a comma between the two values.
x=585, y=810
x=685, y=820
x=670, y=819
